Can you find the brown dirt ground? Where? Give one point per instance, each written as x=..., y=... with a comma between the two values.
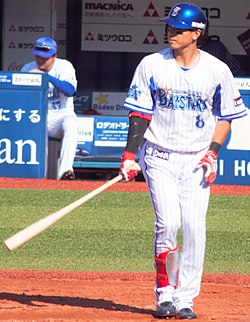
x=48, y=296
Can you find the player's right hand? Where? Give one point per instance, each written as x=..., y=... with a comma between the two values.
x=129, y=168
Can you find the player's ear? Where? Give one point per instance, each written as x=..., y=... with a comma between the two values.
x=196, y=34
x=54, y=57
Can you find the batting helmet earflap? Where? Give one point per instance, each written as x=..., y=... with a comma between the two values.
x=186, y=15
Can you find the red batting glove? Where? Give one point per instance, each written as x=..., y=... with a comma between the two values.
x=209, y=163
x=129, y=168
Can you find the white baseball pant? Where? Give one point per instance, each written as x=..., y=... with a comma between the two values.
x=180, y=199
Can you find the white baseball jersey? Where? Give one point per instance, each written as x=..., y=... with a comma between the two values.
x=64, y=71
x=185, y=104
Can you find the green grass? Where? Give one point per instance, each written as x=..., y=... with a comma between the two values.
x=114, y=232
x=228, y=230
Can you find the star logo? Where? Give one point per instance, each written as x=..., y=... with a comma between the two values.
x=166, y=90
x=102, y=99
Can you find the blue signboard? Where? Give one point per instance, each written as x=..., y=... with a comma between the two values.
x=82, y=101
x=101, y=138
x=233, y=167
x=23, y=134
x=234, y=155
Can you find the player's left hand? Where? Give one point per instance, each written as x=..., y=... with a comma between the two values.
x=129, y=168
x=209, y=163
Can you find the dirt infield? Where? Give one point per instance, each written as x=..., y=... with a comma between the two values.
x=112, y=297
x=48, y=296
x=91, y=185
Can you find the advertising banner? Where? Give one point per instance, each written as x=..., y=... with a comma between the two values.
x=101, y=136
x=109, y=103
x=135, y=26
x=23, y=134
x=82, y=101
x=111, y=132
x=234, y=156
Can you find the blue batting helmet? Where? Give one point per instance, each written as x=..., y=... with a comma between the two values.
x=186, y=15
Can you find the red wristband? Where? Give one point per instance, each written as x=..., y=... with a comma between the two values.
x=128, y=156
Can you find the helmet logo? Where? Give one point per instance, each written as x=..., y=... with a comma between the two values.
x=175, y=11
x=199, y=25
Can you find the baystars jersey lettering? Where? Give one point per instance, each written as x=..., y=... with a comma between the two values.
x=173, y=99
x=182, y=102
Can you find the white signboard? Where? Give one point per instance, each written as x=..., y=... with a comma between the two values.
x=240, y=134
x=243, y=84
x=109, y=103
x=85, y=130
x=135, y=26
x=35, y=19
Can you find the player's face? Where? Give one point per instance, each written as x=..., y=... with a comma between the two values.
x=181, y=38
x=45, y=64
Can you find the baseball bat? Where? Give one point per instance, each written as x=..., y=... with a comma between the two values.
x=41, y=225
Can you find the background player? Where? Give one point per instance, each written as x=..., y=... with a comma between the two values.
x=183, y=101
x=215, y=47
x=62, y=120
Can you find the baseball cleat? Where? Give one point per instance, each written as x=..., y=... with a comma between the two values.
x=68, y=175
x=165, y=310
x=187, y=313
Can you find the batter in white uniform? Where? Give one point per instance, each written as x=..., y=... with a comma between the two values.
x=62, y=120
x=182, y=100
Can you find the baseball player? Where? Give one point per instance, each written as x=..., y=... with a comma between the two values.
x=62, y=120
x=182, y=101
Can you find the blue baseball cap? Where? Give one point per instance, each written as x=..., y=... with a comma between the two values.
x=44, y=47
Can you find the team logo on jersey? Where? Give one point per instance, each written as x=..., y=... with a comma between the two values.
x=238, y=101
x=167, y=90
x=133, y=92
x=180, y=100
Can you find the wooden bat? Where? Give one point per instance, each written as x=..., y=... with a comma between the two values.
x=41, y=225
